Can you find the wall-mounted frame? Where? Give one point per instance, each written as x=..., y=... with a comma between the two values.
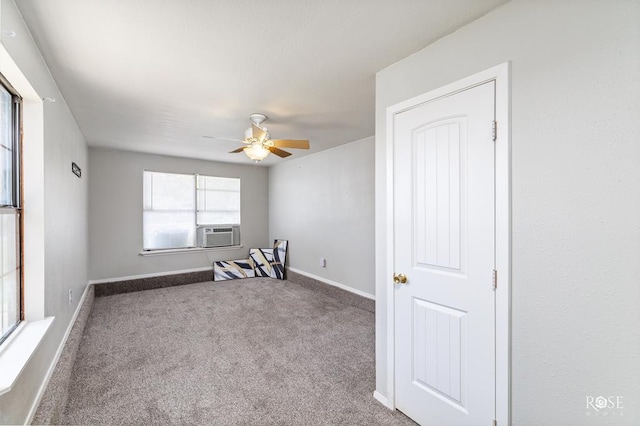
x=76, y=170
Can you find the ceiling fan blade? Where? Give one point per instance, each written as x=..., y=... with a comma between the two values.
x=223, y=139
x=258, y=133
x=280, y=153
x=291, y=143
x=238, y=150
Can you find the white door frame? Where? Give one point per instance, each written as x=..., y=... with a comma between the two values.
x=501, y=75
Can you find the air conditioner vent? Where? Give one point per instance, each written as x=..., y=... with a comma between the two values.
x=222, y=230
x=218, y=236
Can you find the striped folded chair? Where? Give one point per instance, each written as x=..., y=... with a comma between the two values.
x=233, y=269
x=261, y=263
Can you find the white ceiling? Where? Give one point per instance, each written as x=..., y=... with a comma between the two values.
x=155, y=76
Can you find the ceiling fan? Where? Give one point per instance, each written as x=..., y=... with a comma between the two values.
x=259, y=143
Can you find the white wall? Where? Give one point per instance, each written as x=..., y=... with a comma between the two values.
x=323, y=204
x=64, y=215
x=575, y=196
x=115, y=212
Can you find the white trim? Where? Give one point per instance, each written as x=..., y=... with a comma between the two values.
x=163, y=252
x=390, y=237
x=18, y=349
x=503, y=243
x=333, y=283
x=151, y=275
x=501, y=74
x=56, y=358
x=382, y=400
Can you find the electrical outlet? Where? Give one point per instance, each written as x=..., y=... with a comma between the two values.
x=70, y=296
x=323, y=262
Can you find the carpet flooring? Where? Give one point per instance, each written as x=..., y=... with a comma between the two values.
x=243, y=352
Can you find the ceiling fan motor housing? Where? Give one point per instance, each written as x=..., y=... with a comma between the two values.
x=257, y=119
x=248, y=135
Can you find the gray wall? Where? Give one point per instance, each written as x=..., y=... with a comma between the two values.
x=575, y=196
x=323, y=204
x=65, y=221
x=115, y=212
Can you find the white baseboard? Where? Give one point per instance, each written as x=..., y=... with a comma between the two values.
x=151, y=275
x=56, y=358
x=334, y=283
x=383, y=400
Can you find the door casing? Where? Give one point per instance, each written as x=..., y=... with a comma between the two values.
x=501, y=75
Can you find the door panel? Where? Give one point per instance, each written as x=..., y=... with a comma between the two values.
x=444, y=243
x=439, y=345
x=437, y=204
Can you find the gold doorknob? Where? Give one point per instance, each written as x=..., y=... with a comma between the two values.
x=399, y=278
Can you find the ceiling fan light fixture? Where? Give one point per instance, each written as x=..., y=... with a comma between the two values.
x=258, y=143
x=256, y=152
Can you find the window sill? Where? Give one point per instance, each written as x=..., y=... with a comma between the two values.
x=17, y=350
x=187, y=250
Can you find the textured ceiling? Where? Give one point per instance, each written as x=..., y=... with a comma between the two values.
x=155, y=76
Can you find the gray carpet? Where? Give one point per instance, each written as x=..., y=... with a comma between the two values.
x=254, y=351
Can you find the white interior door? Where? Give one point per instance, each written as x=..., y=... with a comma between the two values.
x=444, y=243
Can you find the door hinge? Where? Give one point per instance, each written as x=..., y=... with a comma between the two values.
x=494, y=278
x=494, y=130
x=495, y=423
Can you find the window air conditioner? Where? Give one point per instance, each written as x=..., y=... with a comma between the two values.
x=218, y=236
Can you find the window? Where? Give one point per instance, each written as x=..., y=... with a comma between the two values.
x=169, y=211
x=218, y=201
x=176, y=204
x=10, y=218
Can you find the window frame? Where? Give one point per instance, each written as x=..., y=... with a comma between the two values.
x=16, y=200
x=196, y=224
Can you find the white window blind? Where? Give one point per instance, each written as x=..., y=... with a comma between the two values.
x=169, y=211
x=218, y=201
